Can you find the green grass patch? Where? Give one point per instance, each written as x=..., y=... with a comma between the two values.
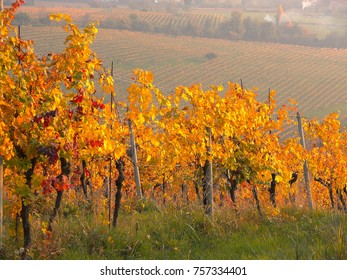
x=186, y=233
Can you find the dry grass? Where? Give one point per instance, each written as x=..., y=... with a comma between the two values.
x=186, y=233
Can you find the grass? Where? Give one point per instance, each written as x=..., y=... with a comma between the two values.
x=186, y=233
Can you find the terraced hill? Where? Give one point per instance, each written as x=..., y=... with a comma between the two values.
x=316, y=78
x=153, y=18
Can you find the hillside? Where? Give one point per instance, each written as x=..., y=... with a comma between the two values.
x=296, y=26
x=154, y=18
x=174, y=172
x=316, y=78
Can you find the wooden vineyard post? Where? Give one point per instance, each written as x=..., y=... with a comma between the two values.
x=207, y=182
x=109, y=193
x=306, y=175
x=1, y=172
x=134, y=160
x=1, y=199
x=119, y=185
x=109, y=190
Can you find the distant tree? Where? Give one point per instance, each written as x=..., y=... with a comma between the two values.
x=139, y=25
x=109, y=23
x=268, y=32
x=291, y=30
x=236, y=23
x=142, y=25
x=22, y=19
x=233, y=28
x=210, y=56
x=252, y=29
x=208, y=29
x=192, y=29
x=170, y=28
x=332, y=40
x=133, y=17
x=123, y=24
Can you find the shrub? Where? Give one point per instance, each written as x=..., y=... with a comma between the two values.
x=210, y=56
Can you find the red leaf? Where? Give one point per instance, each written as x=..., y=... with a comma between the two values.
x=86, y=172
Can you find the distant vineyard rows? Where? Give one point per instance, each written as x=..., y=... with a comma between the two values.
x=153, y=18
x=316, y=78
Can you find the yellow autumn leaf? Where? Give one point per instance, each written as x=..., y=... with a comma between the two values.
x=155, y=142
x=10, y=82
x=279, y=179
x=60, y=17
x=6, y=149
x=141, y=118
x=184, y=96
x=3, y=103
